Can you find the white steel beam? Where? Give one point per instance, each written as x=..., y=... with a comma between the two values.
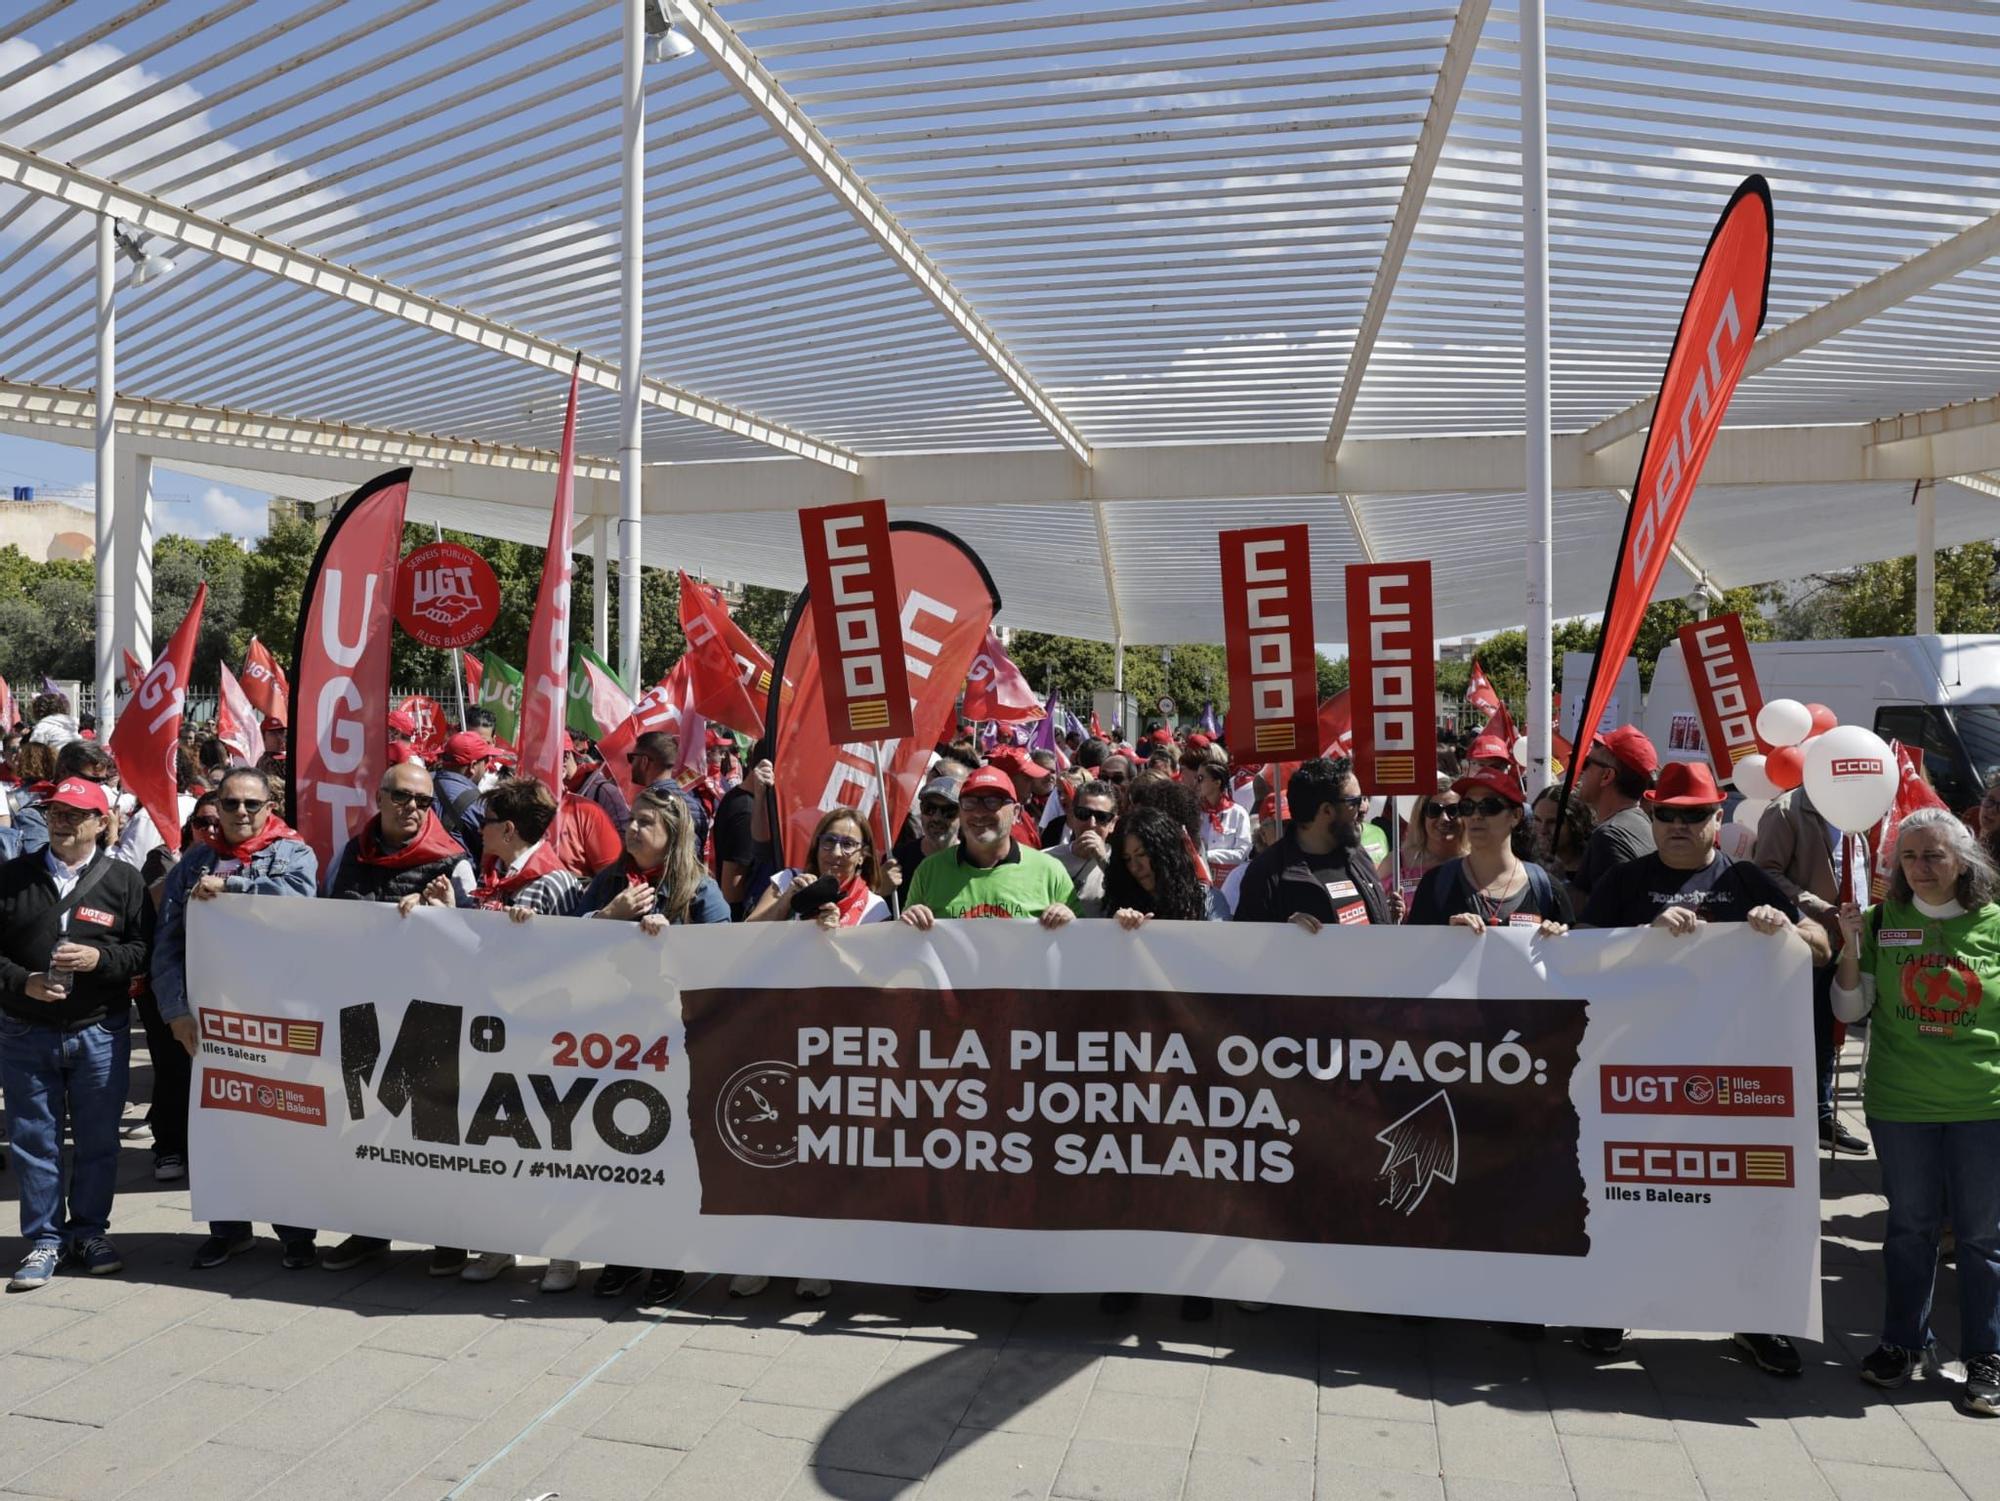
x=1458, y=53
x=1961, y=252
x=1360, y=527
x=743, y=68
x=154, y=215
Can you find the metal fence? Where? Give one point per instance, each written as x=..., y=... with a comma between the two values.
x=199, y=707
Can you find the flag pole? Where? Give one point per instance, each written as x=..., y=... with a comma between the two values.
x=457, y=653
x=888, y=839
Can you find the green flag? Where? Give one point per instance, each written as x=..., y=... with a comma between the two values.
x=599, y=701
x=500, y=692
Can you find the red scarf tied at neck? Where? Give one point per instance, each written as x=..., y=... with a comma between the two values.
x=496, y=890
x=432, y=841
x=275, y=828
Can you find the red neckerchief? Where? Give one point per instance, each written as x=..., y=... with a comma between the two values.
x=1215, y=816
x=651, y=876
x=494, y=889
x=853, y=901
x=1200, y=861
x=275, y=828
x=432, y=841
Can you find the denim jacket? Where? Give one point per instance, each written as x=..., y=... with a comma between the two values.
x=284, y=867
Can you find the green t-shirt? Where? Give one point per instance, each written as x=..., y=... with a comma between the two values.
x=1934, y=1048
x=1025, y=884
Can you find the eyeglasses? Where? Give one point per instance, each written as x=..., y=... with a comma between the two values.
x=987, y=802
x=1683, y=815
x=242, y=804
x=101, y=779
x=1105, y=816
x=1351, y=804
x=1486, y=807
x=1592, y=764
x=839, y=844
x=402, y=797
x=1444, y=810
x=64, y=813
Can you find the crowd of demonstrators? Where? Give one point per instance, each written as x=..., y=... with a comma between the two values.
x=93, y=910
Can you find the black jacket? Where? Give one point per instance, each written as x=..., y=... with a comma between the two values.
x=381, y=883
x=1280, y=883
x=113, y=916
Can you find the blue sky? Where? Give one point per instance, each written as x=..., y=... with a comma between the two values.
x=183, y=505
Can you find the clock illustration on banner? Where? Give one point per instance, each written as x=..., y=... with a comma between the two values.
x=757, y=1115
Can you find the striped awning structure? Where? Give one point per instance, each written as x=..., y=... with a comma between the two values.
x=1083, y=283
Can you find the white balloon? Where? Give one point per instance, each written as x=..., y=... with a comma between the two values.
x=1850, y=776
x=1735, y=841
x=1749, y=811
x=1752, y=780
x=1520, y=750
x=1783, y=721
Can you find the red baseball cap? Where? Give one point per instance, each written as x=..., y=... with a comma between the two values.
x=986, y=779
x=1491, y=781
x=719, y=741
x=1631, y=749
x=1684, y=784
x=1162, y=736
x=1490, y=748
x=466, y=747
x=1016, y=759
x=272, y=722
x=80, y=792
x=1199, y=741
x=505, y=754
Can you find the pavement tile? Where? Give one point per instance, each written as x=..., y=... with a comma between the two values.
x=1746, y=1456
x=1034, y=1389
x=1488, y=1488
x=489, y=1372
x=140, y=1316
x=1343, y=1482
x=886, y=1438
x=1237, y=1477
x=816, y=1482
x=988, y=1465
x=283, y=1357
x=1377, y=1444
x=28, y=1442
x=1152, y=1376
x=1966, y=1447
x=26, y=1376
x=1270, y=1415
x=114, y=1385
x=29, y=1321
x=666, y=1414
x=1167, y=1422
x=713, y=1367
x=1865, y=1482
x=364, y=1467
x=738, y=1461
x=213, y=1472
x=328, y=1402
x=1105, y=1470
x=121, y=1457
x=1501, y=1435
x=1636, y=1466
x=602, y=1469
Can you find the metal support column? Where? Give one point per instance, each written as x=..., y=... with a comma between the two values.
x=132, y=543
x=1535, y=343
x=631, y=344
x=1927, y=558
x=600, y=587
x=107, y=478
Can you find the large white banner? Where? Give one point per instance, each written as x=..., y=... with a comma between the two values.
x=1600, y=1129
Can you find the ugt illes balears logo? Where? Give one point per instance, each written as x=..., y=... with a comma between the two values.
x=422, y=1074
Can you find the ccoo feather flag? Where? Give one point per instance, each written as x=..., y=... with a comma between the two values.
x=545, y=693
x=146, y=740
x=1725, y=309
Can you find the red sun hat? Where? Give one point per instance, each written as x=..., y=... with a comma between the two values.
x=80, y=792
x=1684, y=784
x=1630, y=748
x=466, y=747
x=1491, y=781
x=986, y=779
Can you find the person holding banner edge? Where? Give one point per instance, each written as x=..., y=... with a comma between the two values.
x=1491, y=885
x=988, y=873
x=1318, y=873
x=1685, y=883
x=1933, y=1093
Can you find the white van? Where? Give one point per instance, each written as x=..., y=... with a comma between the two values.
x=1938, y=693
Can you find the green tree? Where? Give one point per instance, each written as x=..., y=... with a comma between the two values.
x=763, y=614
x=1880, y=599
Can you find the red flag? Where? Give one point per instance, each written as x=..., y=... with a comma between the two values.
x=9, y=711
x=851, y=587
x=1500, y=724
x=1336, y=726
x=1096, y=729
x=1267, y=629
x=1479, y=690
x=340, y=704
x=237, y=725
x=947, y=603
x=995, y=689
x=1393, y=676
x=474, y=670
x=545, y=684
x=134, y=673
x=732, y=673
x=146, y=739
x=1725, y=688
x=264, y=683
x=667, y=706
x=1724, y=311
x=1912, y=793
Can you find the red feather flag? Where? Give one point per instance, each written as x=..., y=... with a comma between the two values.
x=1724, y=311
x=995, y=689
x=1479, y=690
x=545, y=686
x=146, y=739
x=264, y=683
x=731, y=673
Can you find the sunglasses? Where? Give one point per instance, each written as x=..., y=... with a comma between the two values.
x=403, y=797
x=1444, y=810
x=206, y=825
x=242, y=804
x=940, y=810
x=1118, y=781
x=1353, y=804
x=839, y=844
x=1683, y=815
x=64, y=813
x=1105, y=816
x=1486, y=807
x=991, y=802
x=103, y=780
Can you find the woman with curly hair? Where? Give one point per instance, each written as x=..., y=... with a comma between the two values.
x=1155, y=873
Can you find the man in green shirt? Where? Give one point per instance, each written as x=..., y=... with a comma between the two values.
x=989, y=873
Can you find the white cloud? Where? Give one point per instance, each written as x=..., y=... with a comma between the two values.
x=214, y=512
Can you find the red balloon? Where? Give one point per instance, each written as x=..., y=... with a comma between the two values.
x=1786, y=766
x=1823, y=719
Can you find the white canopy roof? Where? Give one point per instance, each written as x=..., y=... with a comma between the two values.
x=1084, y=284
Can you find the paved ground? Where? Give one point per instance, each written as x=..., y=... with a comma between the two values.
x=251, y=1381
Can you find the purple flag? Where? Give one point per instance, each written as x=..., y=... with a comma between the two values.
x=1045, y=737
x=1209, y=726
